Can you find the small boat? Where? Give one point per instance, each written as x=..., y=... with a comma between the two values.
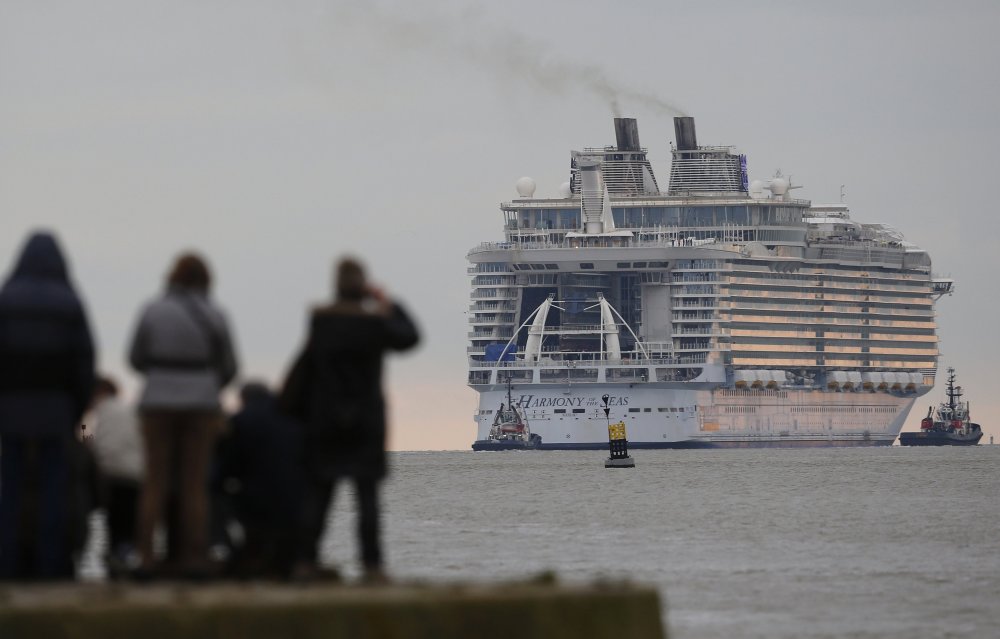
x=510, y=429
x=953, y=426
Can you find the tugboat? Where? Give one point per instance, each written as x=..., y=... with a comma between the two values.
x=953, y=426
x=510, y=430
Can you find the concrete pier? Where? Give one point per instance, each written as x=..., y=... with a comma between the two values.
x=250, y=611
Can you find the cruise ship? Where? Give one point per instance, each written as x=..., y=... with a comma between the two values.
x=719, y=312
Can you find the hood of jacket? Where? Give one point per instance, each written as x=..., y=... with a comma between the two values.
x=41, y=259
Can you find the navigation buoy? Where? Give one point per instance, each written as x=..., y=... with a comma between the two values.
x=617, y=441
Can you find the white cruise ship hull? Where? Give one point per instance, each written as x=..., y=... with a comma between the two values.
x=655, y=416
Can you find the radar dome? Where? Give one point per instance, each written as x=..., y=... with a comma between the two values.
x=526, y=187
x=565, y=190
x=756, y=188
x=779, y=186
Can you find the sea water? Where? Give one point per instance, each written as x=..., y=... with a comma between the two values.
x=880, y=542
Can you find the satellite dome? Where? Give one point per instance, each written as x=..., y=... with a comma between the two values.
x=779, y=186
x=526, y=187
x=756, y=188
x=565, y=190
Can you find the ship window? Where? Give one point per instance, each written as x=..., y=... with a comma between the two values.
x=657, y=265
x=623, y=265
x=633, y=410
x=647, y=410
x=552, y=267
x=638, y=264
x=579, y=410
x=663, y=410
x=538, y=267
x=560, y=410
x=586, y=265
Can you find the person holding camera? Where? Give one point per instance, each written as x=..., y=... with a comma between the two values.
x=335, y=390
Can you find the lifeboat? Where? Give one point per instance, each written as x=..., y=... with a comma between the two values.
x=870, y=380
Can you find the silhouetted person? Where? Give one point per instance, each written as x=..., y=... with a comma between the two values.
x=117, y=444
x=46, y=380
x=182, y=345
x=259, y=467
x=334, y=389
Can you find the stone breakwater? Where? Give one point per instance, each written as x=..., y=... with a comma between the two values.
x=247, y=611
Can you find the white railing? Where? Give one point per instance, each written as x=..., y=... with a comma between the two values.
x=683, y=360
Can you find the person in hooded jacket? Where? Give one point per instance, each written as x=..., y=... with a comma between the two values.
x=183, y=346
x=334, y=389
x=46, y=381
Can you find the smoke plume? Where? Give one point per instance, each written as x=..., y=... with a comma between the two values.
x=505, y=53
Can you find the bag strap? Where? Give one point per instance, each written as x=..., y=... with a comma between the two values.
x=204, y=323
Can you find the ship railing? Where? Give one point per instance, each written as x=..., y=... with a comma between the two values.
x=669, y=237
x=708, y=332
x=637, y=199
x=683, y=360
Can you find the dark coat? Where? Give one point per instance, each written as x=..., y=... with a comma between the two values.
x=46, y=352
x=262, y=452
x=335, y=388
x=46, y=380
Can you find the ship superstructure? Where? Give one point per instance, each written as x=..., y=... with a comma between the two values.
x=722, y=312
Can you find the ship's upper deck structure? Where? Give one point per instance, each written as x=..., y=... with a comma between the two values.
x=717, y=269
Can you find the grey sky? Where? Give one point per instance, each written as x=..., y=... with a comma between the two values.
x=275, y=136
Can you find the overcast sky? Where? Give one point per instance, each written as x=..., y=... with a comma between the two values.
x=276, y=136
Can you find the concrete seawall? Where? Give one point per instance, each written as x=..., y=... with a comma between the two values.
x=237, y=611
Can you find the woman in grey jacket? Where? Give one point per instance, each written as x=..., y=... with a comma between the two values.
x=183, y=346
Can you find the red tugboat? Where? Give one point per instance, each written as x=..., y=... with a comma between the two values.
x=510, y=430
x=953, y=426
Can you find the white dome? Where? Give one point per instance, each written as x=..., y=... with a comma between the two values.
x=526, y=187
x=565, y=190
x=779, y=186
x=756, y=188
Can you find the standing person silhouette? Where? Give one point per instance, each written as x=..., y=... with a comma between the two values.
x=182, y=345
x=335, y=390
x=46, y=380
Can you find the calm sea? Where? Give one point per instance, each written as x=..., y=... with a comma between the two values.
x=886, y=542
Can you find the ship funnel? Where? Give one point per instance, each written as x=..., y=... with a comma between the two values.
x=627, y=134
x=684, y=132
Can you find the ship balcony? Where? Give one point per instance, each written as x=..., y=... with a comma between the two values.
x=492, y=294
x=491, y=319
x=697, y=278
x=694, y=289
x=494, y=279
x=700, y=332
x=697, y=346
x=491, y=334
x=942, y=285
x=488, y=268
x=492, y=307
